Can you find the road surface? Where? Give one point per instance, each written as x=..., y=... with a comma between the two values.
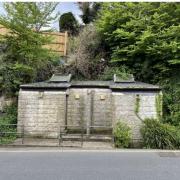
x=98, y=165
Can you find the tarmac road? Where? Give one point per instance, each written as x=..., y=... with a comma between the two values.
x=89, y=165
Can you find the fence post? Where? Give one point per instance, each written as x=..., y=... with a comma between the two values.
x=0, y=134
x=82, y=138
x=23, y=134
x=65, y=42
x=60, y=136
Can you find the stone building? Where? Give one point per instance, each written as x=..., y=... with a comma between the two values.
x=45, y=108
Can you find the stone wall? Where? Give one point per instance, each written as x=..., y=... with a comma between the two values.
x=76, y=108
x=1, y=103
x=102, y=107
x=5, y=102
x=125, y=109
x=89, y=107
x=41, y=113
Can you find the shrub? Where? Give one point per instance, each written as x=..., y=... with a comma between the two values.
x=171, y=101
x=9, y=117
x=121, y=71
x=158, y=135
x=86, y=56
x=142, y=36
x=122, y=135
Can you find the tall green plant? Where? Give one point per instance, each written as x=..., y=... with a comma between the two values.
x=171, y=101
x=8, y=124
x=158, y=135
x=68, y=22
x=122, y=135
x=24, y=53
x=143, y=36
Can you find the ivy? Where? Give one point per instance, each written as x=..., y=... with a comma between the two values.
x=137, y=104
x=159, y=106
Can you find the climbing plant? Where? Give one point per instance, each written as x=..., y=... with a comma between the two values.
x=159, y=106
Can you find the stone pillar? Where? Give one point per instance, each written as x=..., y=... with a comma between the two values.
x=89, y=110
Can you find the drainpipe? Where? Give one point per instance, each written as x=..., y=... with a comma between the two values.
x=66, y=108
x=90, y=117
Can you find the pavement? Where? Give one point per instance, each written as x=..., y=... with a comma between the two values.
x=78, y=164
x=55, y=143
x=38, y=142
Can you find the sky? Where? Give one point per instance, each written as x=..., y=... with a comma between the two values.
x=62, y=7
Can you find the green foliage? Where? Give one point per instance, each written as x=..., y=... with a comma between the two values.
x=10, y=115
x=89, y=11
x=143, y=36
x=122, y=135
x=137, y=104
x=7, y=129
x=23, y=55
x=68, y=22
x=158, y=135
x=121, y=71
x=159, y=106
x=171, y=101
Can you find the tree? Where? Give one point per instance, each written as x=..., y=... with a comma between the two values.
x=68, y=22
x=143, y=36
x=89, y=11
x=24, y=55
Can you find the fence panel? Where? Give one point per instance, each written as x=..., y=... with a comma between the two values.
x=58, y=44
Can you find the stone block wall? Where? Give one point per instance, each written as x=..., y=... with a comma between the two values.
x=5, y=102
x=76, y=108
x=1, y=103
x=102, y=107
x=89, y=107
x=125, y=109
x=41, y=113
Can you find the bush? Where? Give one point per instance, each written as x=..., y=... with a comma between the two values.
x=142, y=36
x=85, y=55
x=8, y=118
x=158, y=135
x=121, y=71
x=122, y=135
x=171, y=101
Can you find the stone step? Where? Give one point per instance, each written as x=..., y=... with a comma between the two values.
x=39, y=142
x=90, y=138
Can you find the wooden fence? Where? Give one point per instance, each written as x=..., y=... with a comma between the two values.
x=58, y=44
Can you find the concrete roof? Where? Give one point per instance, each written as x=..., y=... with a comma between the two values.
x=92, y=84
x=60, y=78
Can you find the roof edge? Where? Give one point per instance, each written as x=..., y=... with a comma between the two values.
x=92, y=84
